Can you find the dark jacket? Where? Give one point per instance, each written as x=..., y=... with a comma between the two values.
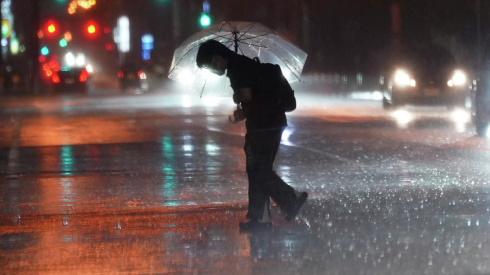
x=264, y=111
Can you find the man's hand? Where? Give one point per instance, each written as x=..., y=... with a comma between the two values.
x=242, y=96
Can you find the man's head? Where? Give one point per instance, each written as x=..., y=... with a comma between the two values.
x=213, y=55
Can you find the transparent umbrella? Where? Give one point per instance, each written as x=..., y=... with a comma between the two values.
x=246, y=38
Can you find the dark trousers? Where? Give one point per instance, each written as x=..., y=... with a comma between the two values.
x=263, y=183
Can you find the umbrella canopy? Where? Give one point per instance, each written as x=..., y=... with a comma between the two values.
x=246, y=38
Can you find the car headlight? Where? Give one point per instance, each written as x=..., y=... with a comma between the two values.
x=458, y=79
x=402, y=78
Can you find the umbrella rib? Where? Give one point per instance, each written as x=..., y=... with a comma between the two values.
x=176, y=63
x=230, y=44
x=221, y=36
x=203, y=86
x=252, y=44
x=252, y=37
x=222, y=24
x=253, y=25
x=241, y=49
x=282, y=61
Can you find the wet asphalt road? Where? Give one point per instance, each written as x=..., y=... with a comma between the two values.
x=155, y=184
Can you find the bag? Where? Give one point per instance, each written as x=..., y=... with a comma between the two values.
x=273, y=82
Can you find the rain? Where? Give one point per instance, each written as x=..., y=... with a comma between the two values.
x=117, y=155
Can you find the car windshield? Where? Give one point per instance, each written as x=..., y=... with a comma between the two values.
x=429, y=59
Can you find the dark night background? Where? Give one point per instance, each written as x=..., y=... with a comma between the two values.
x=348, y=36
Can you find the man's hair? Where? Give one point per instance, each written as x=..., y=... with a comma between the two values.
x=208, y=49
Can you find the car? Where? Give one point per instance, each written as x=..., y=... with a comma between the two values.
x=427, y=75
x=131, y=76
x=481, y=108
x=68, y=80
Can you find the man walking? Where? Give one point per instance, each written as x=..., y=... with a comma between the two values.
x=265, y=118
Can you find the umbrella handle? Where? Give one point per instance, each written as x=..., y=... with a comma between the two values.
x=232, y=121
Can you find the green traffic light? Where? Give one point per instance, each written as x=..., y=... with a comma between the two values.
x=205, y=20
x=5, y=30
x=63, y=43
x=44, y=51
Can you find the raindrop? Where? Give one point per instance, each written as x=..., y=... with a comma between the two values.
x=118, y=226
x=65, y=222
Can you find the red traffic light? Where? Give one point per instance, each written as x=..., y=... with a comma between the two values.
x=51, y=28
x=91, y=29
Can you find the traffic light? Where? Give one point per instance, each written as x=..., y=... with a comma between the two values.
x=51, y=28
x=91, y=29
x=205, y=20
x=45, y=50
x=63, y=43
x=5, y=29
x=67, y=36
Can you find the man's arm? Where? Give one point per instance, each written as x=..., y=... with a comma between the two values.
x=243, y=95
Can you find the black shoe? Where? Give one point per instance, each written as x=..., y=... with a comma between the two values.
x=248, y=216
x=253, y=225
x=290, y=215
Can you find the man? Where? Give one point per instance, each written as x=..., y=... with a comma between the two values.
x=265, y=122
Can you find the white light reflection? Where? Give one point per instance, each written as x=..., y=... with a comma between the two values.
x=402, y=117
x=209, y=75
x=186, y=76
x=285, y=137
x=89, y=68
x=286, y=72
x=460, y=116
x=70, y=59
x=374, y=95
x=80, y=60
x=211, y=101
x=460, y=127
x=212, y=149
x=186, y=101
